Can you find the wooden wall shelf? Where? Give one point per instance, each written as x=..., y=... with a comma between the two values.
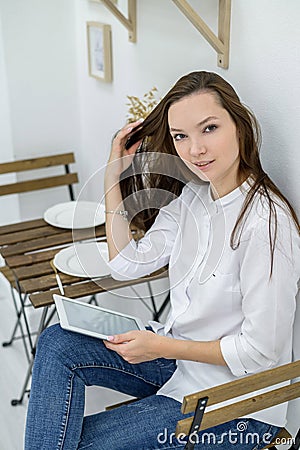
x=220, y=43
x=128, y=22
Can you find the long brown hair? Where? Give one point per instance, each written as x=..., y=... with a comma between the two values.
x=147, y=172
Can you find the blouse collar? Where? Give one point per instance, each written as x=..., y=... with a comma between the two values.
x=231, y=196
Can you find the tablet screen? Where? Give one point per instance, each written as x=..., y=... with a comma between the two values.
x=97, y=320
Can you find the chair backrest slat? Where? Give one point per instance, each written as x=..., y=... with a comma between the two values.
x=40, y=183
x=37, y=163
x=242, y=408
x=34, y=184
x=243, y=386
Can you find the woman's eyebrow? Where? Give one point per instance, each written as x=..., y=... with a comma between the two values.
x=200, y=124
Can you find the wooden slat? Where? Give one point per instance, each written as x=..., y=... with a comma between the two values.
x=242, y=386
x=87, y=288
x=46, y=282
x=22, y=226
x=27, y=235
x=33, y=271
x=51, y=241
x=117, y=405
x=31, y=258
x=39, y=183
x=37, y=163
x=40, y=256
x=8, y=274
x=242, y=408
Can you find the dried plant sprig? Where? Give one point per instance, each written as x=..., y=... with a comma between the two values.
x=141, y=108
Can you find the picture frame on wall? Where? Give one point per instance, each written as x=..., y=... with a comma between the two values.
x=99, y=51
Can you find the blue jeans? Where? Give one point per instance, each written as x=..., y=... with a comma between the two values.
x=66, y=362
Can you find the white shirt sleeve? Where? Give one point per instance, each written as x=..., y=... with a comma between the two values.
x=268, y=303
x=151, y=252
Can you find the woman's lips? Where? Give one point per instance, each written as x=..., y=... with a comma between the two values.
x=203, y=165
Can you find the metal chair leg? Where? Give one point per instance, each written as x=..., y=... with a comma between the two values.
x=93, y=300
x=18, y=325
x=163, y=306
x=156, y=313
x=19, y=401
x=155, y=317
x=42, y=326
x=23, y=313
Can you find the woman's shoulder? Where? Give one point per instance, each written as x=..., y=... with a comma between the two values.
x=265, y=202
x=269, y=210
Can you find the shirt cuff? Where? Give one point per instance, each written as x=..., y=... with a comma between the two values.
x=230, y=354
x=117, y=264
x=159, y=328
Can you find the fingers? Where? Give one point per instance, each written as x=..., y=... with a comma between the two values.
x=123, y=133
x=121, y=338
x=123, y=344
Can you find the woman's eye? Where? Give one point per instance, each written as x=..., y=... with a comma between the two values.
x=178, y=137
x=210, y=128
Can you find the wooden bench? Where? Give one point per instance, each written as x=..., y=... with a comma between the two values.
x=203, y=420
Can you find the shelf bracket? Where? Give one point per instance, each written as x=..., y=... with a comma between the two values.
x=221, y=42
x=128, y=22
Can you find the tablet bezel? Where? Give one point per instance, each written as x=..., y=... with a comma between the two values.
x=63, y=318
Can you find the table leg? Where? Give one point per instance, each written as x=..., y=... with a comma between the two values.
x=44, y=322
x=18, y=324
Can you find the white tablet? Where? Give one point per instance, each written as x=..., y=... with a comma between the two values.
x=93, y=320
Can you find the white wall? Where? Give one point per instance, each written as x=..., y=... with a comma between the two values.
x=39, y=42
x=9, y=206
x=55, y=105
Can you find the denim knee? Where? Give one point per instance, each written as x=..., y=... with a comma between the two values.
x=53, y=338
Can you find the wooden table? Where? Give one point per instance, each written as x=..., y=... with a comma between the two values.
x=27, y=248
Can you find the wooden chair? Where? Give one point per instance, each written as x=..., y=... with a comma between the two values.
x=203, y=420
x=64, y=178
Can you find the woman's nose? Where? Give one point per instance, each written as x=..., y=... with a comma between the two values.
x=197, y=148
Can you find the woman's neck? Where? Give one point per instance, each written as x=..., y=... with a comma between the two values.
x=219, y=191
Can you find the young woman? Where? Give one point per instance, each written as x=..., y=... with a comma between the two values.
x=231, y=240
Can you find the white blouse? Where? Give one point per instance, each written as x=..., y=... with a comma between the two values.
x=221, y=293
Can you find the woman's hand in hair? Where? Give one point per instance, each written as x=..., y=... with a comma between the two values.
x=120, y=158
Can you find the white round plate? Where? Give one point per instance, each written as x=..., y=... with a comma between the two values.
x=84, y=260
x=75, y=215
